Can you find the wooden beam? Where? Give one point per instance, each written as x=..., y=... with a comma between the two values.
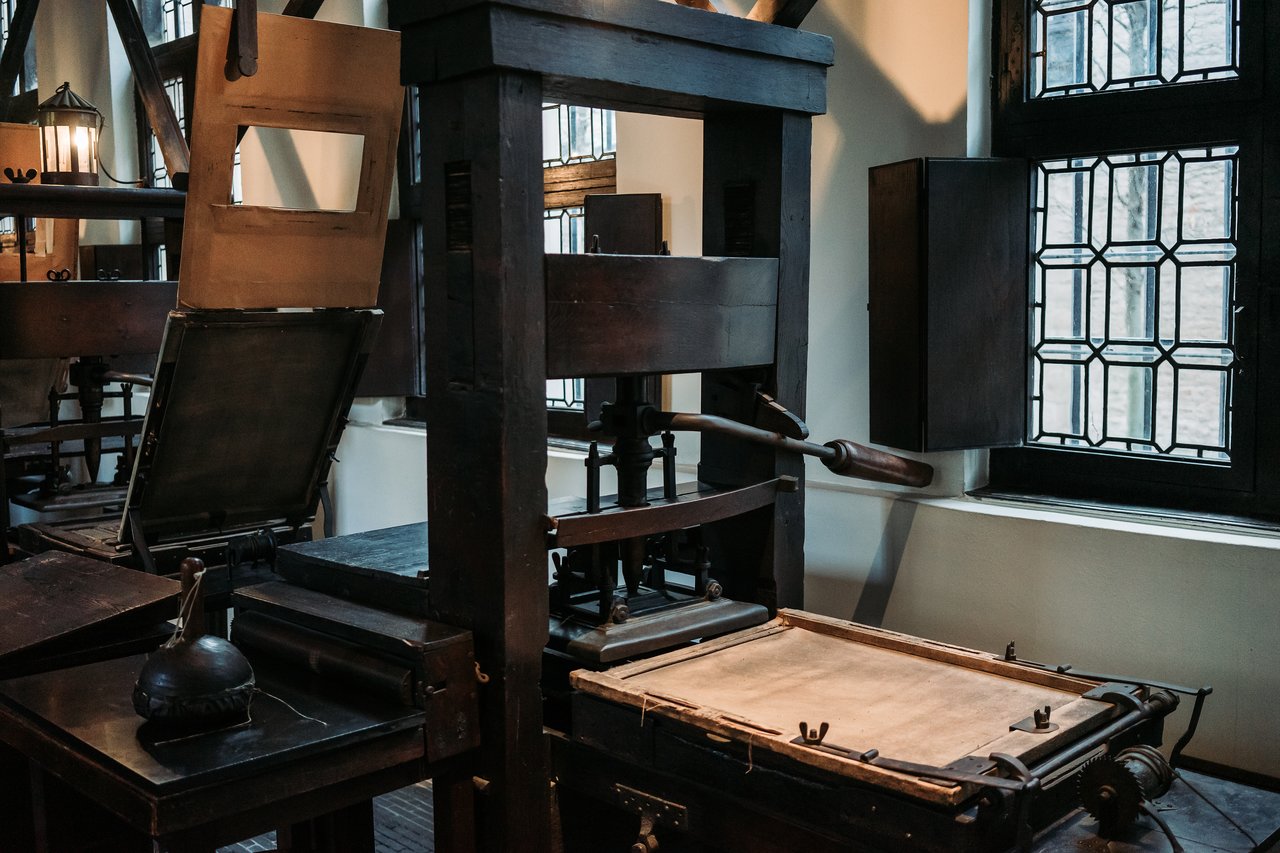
x=704, y=5
x=784, y=13
x=24, y=16
x=302, y=8
x=160, y=113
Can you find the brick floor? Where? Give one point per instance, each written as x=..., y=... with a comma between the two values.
x=402, y=823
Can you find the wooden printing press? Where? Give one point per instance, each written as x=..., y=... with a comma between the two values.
x=796, y=732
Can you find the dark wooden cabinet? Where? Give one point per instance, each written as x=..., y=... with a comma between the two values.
x=948, y=303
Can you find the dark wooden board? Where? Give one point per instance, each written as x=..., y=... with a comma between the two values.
x=618, y=314
x=947, y=303
x=246, y=410
x=619, y=67
x=54, y=598
x=694, y=504
x=384, y=568
x=43, y=319
x=626, y=223
x=63, y=202
x=656, y=18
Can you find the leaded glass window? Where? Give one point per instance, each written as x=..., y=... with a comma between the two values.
x=1081, y=46
x=571, y=135
x=1133, y=302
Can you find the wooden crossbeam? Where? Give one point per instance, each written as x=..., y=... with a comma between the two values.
x=160, y=113
x=704, y=5
x=302, y=8
x=24, y=16
x=784, y=13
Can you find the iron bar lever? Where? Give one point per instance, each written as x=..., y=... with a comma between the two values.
x=844, y=457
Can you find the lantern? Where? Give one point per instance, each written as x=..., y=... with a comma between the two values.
x=69, y=139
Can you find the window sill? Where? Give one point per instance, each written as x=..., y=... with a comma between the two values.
x=1201, y=527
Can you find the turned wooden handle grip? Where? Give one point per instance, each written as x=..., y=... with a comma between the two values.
x=855, y=460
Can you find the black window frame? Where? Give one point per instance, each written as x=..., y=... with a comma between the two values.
x=1244, y=111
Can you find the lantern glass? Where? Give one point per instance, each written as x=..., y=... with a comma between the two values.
x=69, y=139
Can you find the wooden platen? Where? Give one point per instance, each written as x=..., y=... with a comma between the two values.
x=240, y=256
x=910, y=699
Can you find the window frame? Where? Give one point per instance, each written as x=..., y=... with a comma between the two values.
x=1240, y=111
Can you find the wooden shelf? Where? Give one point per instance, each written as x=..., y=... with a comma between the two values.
x=61, y=202
x=695, y=503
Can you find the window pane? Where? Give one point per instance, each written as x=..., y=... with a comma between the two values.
x=1132, y=342
x=576, y=134
x=1083, y=46
x=562, y=231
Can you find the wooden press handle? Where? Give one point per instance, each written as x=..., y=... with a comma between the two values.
x=855, y=460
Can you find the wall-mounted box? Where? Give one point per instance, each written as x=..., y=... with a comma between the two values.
x=948, y=303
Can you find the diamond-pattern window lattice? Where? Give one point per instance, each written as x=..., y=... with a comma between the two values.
x=1133, y=289
x=1083, y=46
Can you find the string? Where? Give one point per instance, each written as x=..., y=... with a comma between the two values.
x=290, y=707
x=184, y=610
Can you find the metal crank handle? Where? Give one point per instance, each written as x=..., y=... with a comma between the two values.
x=844, y=457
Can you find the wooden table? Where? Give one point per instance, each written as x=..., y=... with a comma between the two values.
x=307, y=752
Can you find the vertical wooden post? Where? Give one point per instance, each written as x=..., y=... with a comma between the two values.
x=756, y=203
x=486, y=453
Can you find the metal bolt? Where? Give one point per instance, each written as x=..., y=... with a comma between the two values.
x=714, y=590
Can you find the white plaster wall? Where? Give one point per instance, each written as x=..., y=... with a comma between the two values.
x=1187, y=606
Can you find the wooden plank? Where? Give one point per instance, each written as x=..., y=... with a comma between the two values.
x=237, y=256
x=91, y=202
x=783, y=13
x=756, y=202
x=946, y=652
x=895, y=304
x=57, y=597
x=613, y=523
x=395, y=367
x=302, y=8
x=656, y=19
x=704, y=5
x=21, y=24
x=160, y=113
x=626, y=223
x=568, y=186
x=486, y=394
x=66, y=319
x=617, y=314
x=620, y=69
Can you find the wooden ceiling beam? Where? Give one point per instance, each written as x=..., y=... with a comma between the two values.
x=302, y=8
x=15, y=48
x=704, y=5
x=784, y=13
x=146, y=73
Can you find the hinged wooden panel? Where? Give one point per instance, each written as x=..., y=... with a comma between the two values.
x=236, y=256
x=948, y=303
